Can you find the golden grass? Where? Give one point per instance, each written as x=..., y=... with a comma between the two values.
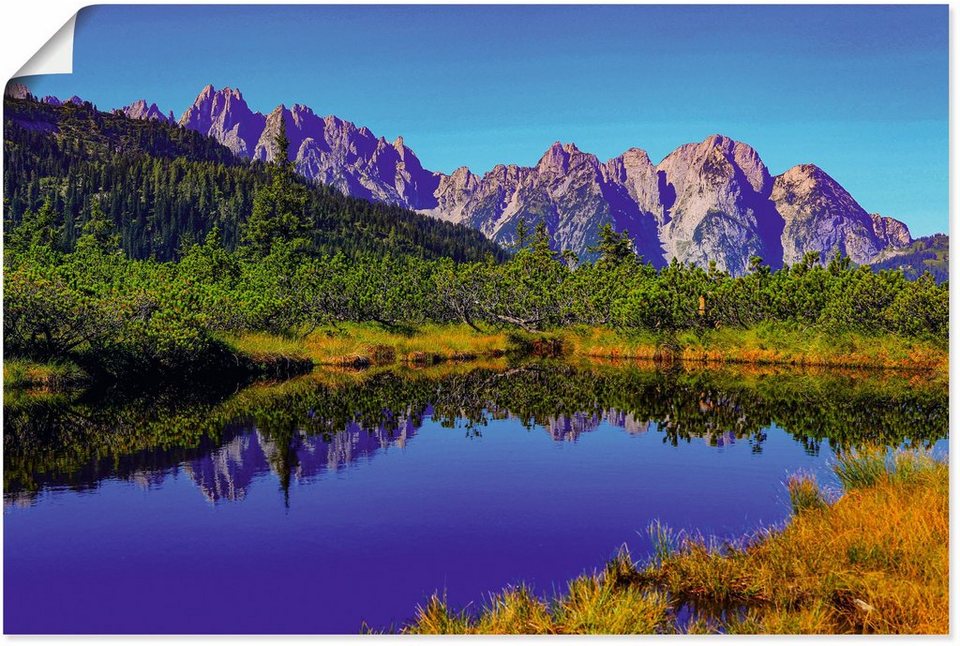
x=425, y=345
x=264, y=344
x=361, y=345
x=19, y=373
x=874, y=561
x=365, y=344
x=592, y=605
x=765, y=344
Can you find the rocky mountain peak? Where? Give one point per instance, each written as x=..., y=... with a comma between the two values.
x=300, y=109
x=893, y=233
x=560, y=157
x=636, y=156
x=804, y=181
x=820, y=215
x=722, y=142
x=140, y=110
x=462, y=174
x=16, y=90
x=707, y=201
x=224, y=115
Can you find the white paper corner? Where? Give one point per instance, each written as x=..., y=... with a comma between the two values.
x=56, y=55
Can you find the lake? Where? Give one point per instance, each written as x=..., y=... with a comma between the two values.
x=342, y=500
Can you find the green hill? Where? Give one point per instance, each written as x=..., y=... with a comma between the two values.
x=164, y=187
x=930, y=253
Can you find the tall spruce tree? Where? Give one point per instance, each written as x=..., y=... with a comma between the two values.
x=279, y=208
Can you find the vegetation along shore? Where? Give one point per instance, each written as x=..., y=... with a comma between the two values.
x=873, y=561
x=287, y=273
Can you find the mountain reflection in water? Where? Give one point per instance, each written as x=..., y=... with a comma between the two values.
x=324, y=422
x=381, y=487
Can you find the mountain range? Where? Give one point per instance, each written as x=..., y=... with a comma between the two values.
x=708, y=201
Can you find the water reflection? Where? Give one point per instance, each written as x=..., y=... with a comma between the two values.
x=387, y=486
x=324, y=422
x=226, y=473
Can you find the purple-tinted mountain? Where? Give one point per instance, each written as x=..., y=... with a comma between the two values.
x=819, y=215
x=15, y=90
x=140, y=110
x=336, y=152
x=710, y=201
x=52, y=100
x=224, y=115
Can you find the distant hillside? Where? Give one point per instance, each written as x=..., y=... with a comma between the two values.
x=930, y=253
x=165, y=186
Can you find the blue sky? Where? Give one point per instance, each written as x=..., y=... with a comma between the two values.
x=859, y=90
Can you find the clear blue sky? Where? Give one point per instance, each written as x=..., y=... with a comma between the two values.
x=859, y=90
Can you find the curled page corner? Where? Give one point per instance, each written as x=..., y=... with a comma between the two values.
x=56, y=55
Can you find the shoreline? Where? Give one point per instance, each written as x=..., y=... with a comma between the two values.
x=260, y=355
x=364, y=345
x=873, y=561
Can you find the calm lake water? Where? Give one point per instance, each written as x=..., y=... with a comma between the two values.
x=338, y=500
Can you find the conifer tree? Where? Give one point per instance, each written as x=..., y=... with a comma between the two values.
x=279, y=208
x=614, y=248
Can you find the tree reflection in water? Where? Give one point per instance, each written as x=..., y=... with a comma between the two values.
x=324, y=421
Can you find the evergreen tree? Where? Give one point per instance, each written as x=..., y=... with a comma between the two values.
x=279, y=208
x=522, y=236
x=99, y=230
x=614, y=248
x=35, y=230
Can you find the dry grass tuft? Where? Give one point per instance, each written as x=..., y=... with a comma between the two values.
x=804, y=493
x=19, y=373
x=767, y=344
x=874, y=561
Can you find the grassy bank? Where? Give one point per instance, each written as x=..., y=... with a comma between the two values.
x=873, y=561
x=20, y=373
x=359, y=345
x=766, y=344
x=355, y=344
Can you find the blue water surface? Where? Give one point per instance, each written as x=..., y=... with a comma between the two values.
x=372, y=524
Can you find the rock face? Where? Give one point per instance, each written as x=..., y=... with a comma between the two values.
x=224, y=115
x=893, y=233
x=712, y=201
x=819, y=215
x=714, y=205
x=336, y=152
x=16, y=90
x=140, y=110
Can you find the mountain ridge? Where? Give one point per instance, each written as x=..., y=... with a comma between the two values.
x=165, y=187
x=708, y=202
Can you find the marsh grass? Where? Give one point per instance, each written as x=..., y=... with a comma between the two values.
x=361, y=345
x=368, y=344
x=768, y=343
x=592, y=604
x=264, y=344
x=18, y=373
x=874, y=561
x=804, y=493
x=867, y=467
